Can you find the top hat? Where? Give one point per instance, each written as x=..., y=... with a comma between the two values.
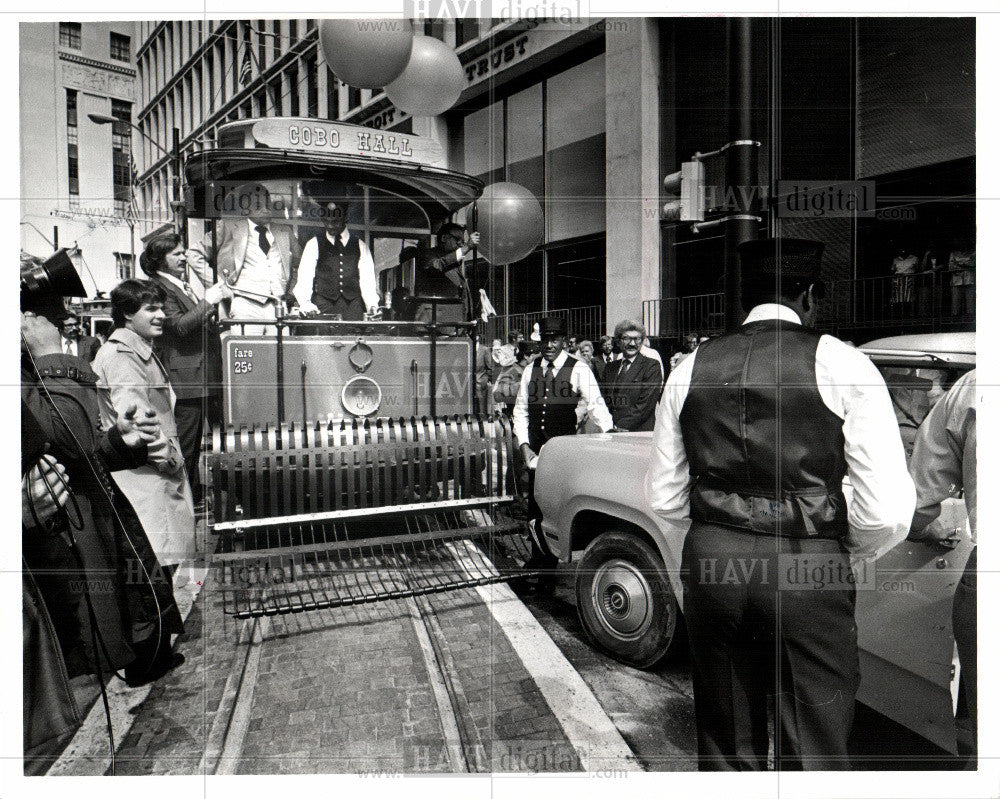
x=788, y=259
x=552, y=326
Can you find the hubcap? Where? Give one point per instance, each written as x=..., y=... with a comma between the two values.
x=621, y=599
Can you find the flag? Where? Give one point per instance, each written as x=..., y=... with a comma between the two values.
x=132, y=212
x=487, y=306
x=246, y=71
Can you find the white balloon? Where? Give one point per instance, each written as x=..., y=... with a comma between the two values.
x=368, y=53
x=510, y=222
x=432, y=80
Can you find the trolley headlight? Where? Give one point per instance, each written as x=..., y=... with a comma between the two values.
x=361, y=396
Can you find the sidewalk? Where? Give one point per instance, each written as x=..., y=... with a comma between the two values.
x=464, y=681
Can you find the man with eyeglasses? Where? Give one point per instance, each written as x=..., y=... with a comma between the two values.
x=441, y=273
x=631, y=385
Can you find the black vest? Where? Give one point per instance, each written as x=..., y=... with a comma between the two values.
x=551, y=403
x=764, y=451
x=337, y=270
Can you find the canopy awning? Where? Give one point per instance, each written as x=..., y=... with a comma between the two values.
x=440, y=192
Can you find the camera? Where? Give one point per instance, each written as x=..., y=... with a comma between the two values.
x=45, y=283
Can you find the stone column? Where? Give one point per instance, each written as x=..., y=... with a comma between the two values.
x=632, y=69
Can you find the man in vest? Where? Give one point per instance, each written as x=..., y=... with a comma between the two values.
x=336, y=272
x=551, y=387
x=754, y=434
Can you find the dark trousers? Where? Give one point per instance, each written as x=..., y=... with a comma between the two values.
x=764, y=627
x=190, y=415
x=349, y=310
x=963, y=622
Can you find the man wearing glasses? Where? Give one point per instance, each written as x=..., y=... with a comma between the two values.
x=441, y=273
x=632, y=384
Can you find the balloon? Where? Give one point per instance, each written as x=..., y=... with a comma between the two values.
x=368, y=53
x=510, y=222
x=431, y=82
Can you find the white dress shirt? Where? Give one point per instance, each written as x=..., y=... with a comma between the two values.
x=883, y=496
x=185, y=287
x=307, y=272
x=583, y=382
x=261, y=274
x=70, y=346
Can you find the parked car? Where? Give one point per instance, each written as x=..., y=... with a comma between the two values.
x=628, y=588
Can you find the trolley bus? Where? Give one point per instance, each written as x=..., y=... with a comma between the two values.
x=399, y=193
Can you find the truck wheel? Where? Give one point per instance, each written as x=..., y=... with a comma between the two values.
x=625, y=601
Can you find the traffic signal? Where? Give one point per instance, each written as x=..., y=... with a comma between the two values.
x=687, y=187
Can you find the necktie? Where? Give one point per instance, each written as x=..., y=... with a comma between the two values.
x=265, y=245
x=190, y=292
x=69, y=346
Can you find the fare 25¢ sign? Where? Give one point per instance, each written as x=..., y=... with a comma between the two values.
x=339, y=137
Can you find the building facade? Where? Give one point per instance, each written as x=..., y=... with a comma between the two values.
x=592, y=115
x=77, y=175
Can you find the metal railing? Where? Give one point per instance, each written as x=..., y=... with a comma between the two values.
x=675, y=317
x=927, y=300
x=584, y=323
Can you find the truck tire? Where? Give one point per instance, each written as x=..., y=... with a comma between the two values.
x=625, y=601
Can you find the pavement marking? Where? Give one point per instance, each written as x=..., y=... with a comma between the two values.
x=446, y=712
x=229, y=727
x=587, y=726
x=87, y=752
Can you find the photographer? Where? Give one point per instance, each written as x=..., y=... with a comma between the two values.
x=91, y=578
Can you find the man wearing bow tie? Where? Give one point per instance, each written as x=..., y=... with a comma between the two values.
x=255, y=257
x=631, y=385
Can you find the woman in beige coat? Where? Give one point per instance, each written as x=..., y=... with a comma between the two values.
x=130, y=374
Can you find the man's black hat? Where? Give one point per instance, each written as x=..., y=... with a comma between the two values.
x=552, y=326
x=789, y=259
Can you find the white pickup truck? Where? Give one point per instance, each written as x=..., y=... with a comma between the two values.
x=628, y=589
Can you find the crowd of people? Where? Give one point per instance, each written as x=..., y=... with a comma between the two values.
x=112, y=431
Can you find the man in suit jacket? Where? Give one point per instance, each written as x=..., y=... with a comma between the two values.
x=189, y=346
x=440, y=273
x=74, y=343
x=255, y=257
x=632, y=384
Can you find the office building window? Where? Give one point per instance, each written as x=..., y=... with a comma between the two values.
x=435, y=28
x=332, y=98
x=70, y=34
x=293, y=31
x=72, y=146
x=121, y=154
x=466, y=30
x=274, y=89
x=312, y=87
x=121, y=47
x=124, y=266
x=353, y=98
x=292, y=74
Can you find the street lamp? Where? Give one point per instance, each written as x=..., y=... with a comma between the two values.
x=174, y=154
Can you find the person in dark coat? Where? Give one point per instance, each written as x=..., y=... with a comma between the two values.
x=754, y=435
x=96, y=532
x=73, y=341
x=440, y=273
x=189, y=347
x=631, y=385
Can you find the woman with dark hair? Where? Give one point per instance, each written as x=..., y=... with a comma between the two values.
x=129, y=373
x=189, y=346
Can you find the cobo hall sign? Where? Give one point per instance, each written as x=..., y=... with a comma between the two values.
x=310, y=135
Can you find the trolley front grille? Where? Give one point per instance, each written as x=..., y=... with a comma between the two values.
x=349, y=512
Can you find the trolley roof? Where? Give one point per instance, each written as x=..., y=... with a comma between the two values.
x=310, y=149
